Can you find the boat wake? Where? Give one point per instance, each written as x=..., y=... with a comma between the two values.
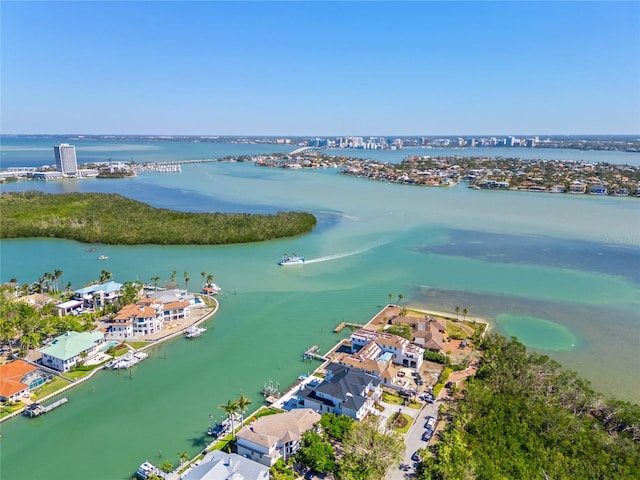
x=334, y=257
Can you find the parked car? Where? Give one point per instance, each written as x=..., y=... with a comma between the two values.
x=448, y=385
x=426, y=436
x=431, y=422
x=416, y=457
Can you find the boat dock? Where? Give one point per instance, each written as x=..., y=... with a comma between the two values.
x=342, y=325
x=313, y=353
x=35, y=409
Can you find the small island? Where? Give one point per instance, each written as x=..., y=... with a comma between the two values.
x=114, y=219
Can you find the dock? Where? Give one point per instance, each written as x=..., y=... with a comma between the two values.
x=35, y=409
x=313, y=353
x=342, y=325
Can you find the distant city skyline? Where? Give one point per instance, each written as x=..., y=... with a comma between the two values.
x=320, y=69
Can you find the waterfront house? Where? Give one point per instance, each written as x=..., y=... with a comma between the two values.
x=98, y=295
x=345, y=391
x=70, y=349
x=18, y=378
x=144, y=317
x=272, y=437
x=597, y=189
x=218, y=465
x=404, y=352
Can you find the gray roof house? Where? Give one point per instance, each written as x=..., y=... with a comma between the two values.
x=344, y=391
x=217, y=465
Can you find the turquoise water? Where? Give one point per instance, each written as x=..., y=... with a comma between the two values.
x=537, y=333
x=549, y=268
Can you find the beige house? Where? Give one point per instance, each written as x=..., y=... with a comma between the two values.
x=275, y=436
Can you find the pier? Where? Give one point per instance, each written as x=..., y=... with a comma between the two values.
x=313, y=353
x=35, y=409
x=342, y=325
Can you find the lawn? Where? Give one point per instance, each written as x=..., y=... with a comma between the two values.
x=400, y=422
x=52, y=387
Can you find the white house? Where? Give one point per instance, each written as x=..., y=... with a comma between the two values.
x=69, y=349
x=98, y=295
x=404, y=352
x=275, y=436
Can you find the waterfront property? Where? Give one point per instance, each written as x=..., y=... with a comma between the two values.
x=71, y=349
x=404, y=352
x=277, y=436
x=427, y=332
x=149, y=314
x=19, y=378
x=218, y=465
x=98, y=295
x=344, y=391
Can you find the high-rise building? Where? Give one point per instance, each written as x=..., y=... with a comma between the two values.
x=66, y=161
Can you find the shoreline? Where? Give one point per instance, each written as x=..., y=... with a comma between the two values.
x=209, y=313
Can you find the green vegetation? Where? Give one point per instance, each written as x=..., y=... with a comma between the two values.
x=113, y=219
x=58, y=383
x=524, y=417
x=400, y=422
x=365, y=453
x=392, y=398
x=402, y=330
x=316, y=453
x=280, y=471
x=435, y=357
x=7, y=408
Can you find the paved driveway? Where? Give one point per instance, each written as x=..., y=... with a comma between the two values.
x=413, y=441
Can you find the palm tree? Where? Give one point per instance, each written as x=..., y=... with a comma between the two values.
x=183, y=457
x=243, y=402
x=390, y=297
x=209, y=280
x=400, y=297
x=105, y=275
x=155, y=281
x=173, y=276
x=457, y=309
x=464, y=312
x=56, y=276
x=187, y=278
x=203, y=275
x=230, y=408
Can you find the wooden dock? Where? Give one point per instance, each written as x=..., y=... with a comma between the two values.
x=313, y=353
x=35, y=409
x=342, y=325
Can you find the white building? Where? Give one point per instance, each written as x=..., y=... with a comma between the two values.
x=66, y=161
x=404, y=352
x=218, y=465
x=71, y=348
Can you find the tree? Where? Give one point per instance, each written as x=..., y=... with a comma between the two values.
x=56, y=276
x=390, y=297
x=243, y=402
x=173, y=276
x=183, y=456
x=209, y=280
x=457, y=309
x=336, y=426
x=187, y=279
x=400, y=297
x=166, y=466
x=105, y=276
x=231, y=408
x=203, y=275
x=464, y=312
x=368, y=453
x=155, y=281
x=316, y=453
x=130, y=291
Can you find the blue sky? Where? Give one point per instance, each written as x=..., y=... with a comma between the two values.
x=320, y=68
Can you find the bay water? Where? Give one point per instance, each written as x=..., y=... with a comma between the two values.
x=560, y=272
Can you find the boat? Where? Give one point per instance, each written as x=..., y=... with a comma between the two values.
x=211, y=289
x=103, y=257
x=194, y=331
x=129, y=360
x=291, y=260
x=146, y=470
